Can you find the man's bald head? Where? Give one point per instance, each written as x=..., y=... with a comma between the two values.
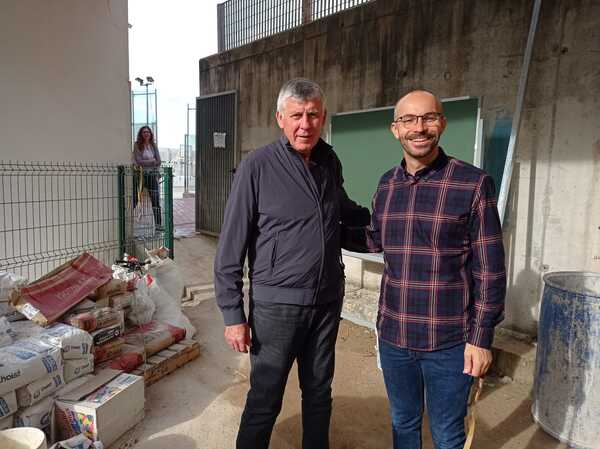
x=418, y=125
x=417, y=96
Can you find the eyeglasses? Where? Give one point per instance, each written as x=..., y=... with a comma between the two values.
x=410, y=120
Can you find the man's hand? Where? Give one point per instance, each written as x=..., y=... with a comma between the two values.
x=477, y=360
x=238, y=337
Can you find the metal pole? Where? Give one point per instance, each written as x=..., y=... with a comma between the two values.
x=147, y=121
x=155, y=117
x=514, y=133
x=168, y=196
x=186, y=156
x=122, y=210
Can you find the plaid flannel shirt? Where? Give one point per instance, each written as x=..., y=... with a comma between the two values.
x=444, y=279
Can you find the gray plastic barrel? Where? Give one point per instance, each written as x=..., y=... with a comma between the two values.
x=567, y=374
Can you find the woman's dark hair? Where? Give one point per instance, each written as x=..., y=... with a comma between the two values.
x=139, y=140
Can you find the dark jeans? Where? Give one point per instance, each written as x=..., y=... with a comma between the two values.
x=407, y=375
x=151, y=185
x=282, y=333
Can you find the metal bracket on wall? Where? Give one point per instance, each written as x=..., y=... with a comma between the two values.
x=514, y=133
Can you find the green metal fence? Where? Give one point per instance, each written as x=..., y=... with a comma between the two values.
x=51, y=212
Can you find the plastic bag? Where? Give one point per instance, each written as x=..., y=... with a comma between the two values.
x=142, y=307
x=168, y=309
x=78, y=442
x=143, y=216
x=9, y=282
x=166, y=272
x=7, y=335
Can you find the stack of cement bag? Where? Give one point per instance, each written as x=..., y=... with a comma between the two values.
x=34, y=369
x=106, y=326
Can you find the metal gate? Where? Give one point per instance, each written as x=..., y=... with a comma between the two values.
x=216, y=156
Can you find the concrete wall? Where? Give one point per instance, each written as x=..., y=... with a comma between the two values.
x=64, y=70
x=369, y=56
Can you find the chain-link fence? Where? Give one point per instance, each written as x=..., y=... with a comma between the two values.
x=243, y=21
x=51, y=212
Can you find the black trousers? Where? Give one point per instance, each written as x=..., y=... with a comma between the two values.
x=282, y=333
x=151, y=185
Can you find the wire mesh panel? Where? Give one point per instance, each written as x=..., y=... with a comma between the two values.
x=243, y=21
x=52, y=212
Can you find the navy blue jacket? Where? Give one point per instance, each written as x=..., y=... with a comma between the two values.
x=285, y=216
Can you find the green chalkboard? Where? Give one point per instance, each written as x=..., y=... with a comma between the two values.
x=367, y=148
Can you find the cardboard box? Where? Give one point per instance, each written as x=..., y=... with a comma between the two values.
x=103, y=409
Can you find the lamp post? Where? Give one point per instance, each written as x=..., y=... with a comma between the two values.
x=186, y=154
x=149, y=81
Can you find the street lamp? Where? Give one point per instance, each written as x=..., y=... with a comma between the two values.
x=149, y=81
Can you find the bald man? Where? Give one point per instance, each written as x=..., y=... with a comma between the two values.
x=442, y=293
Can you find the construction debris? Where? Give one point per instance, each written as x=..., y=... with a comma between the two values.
x=77, y=369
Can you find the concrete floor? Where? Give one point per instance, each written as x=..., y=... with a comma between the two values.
x=199, y=405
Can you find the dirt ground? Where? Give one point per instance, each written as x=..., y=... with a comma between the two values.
x=199, y=405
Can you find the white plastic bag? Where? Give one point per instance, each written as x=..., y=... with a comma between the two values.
x=168, y=309
x=142, y=307
x=143, y=216
x=7, y=335
x=78, y=442
x=166, y=272
x=8, y=283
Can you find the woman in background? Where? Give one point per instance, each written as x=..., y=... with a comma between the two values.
x=146, y=156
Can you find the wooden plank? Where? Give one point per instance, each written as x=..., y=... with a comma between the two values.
x=168, y=360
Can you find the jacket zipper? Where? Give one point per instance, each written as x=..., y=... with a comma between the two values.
x=313, y=187
x=317, y=198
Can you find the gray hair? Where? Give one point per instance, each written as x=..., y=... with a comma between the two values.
x=301, y=89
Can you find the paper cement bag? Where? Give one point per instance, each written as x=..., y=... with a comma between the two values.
x=7, y=422
x=46, y=299
x=78, y=367
x=101, y=336
x=108, y=350
x=38, y=415
x=38, y=390
x=26, y=361
x=154, y=336
x=96, y=319
x=122, y=301
x=74, y=343
x=8, y=404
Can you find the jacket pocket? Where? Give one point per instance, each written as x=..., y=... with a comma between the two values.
x=274, y=252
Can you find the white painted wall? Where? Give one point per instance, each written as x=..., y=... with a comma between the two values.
x=64, y=90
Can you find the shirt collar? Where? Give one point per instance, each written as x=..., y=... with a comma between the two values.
x=439, y=163
x=317, y=153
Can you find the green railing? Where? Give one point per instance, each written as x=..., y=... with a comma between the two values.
x=50, y=212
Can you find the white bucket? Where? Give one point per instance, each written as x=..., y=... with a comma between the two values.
x=23, y=438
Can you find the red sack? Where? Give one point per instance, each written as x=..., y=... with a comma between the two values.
x=46, y=299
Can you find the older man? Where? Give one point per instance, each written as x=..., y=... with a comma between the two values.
x=442, y=293
x=284, y=213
